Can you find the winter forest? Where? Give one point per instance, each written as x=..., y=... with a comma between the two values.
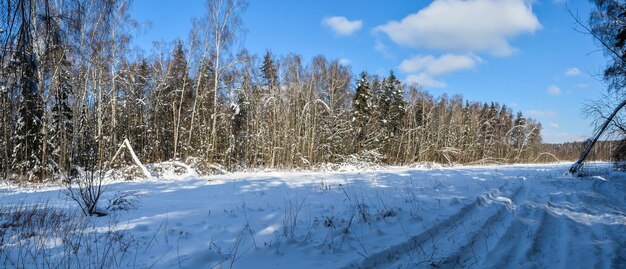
x=466, y=141
x=73, y=90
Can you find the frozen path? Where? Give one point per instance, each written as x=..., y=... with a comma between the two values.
x=522, y=216
x=542, y=223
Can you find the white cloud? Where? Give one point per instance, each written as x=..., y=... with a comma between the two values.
x=342, y=26
x=465, y=26
x=542, y=113
x=424, y=69
x=572, y=72
x=554, y=125
x=425, y=80
x=554, y=90
x=344, y=61
x=445, y=64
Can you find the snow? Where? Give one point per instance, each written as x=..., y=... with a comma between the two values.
x=236, y=109
x=518, y=216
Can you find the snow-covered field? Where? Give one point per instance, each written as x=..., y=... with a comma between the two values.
x=521, y=216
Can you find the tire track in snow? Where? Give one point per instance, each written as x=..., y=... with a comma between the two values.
x=598, y=239
x=545, y=252
x=465, y=231
x=613, y=241
x=583, y=238
x=556, y=226
x=484, y=238
x=618, y=254
x=515, y=242
x=560, y=240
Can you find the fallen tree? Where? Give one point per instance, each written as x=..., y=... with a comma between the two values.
x=575, y=168
x=126, y=145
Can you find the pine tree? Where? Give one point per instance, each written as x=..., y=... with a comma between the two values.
x=392, y=107
x=239, y=116
x=270, y=122
x=269, y=71
x=60, y=129
x=361, y=111
x=5, y=112
x=27, y=145
x=506, y=123
x=517, y=134
x=380, y=106
x=396, y=110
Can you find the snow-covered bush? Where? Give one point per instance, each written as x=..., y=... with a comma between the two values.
x=204, y=168
x=362, y=161
x=172, y=169
x=123, y=201
x=129, y=173
x=87, y=192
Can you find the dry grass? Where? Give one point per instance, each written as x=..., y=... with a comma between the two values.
x=45, y=235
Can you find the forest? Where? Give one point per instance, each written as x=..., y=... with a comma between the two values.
x=199, y=152
x=73, y=88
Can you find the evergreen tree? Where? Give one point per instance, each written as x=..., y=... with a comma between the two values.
x=391, y=107
x=269, y=71
x=517, y=134
x=361, y=111
x=239, y=116
x=27, y=145
x=506, y=124
x=395, y=105
x=60, y=130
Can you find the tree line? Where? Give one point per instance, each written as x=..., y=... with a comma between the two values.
x=72, y=89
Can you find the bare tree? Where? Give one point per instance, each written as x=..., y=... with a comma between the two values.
x=607, y=25
x=223, y=23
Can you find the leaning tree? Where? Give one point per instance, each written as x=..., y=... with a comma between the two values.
x=607, y=25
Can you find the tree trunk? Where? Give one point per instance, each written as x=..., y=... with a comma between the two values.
x=589, y=145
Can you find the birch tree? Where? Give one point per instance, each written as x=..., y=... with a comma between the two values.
x=224, y=24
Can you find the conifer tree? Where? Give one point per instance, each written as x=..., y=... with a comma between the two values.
x=58, y=70
x=27, y=145
x=239, y=115
x=396, y=108
x=269, y=71
x=361, y=111
x=517, y=133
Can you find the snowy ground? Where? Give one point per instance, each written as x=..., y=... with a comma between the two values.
x=522, y=216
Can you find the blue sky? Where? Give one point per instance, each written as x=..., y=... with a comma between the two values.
x=525, y=54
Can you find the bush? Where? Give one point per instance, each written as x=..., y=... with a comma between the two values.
x=87, y=191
